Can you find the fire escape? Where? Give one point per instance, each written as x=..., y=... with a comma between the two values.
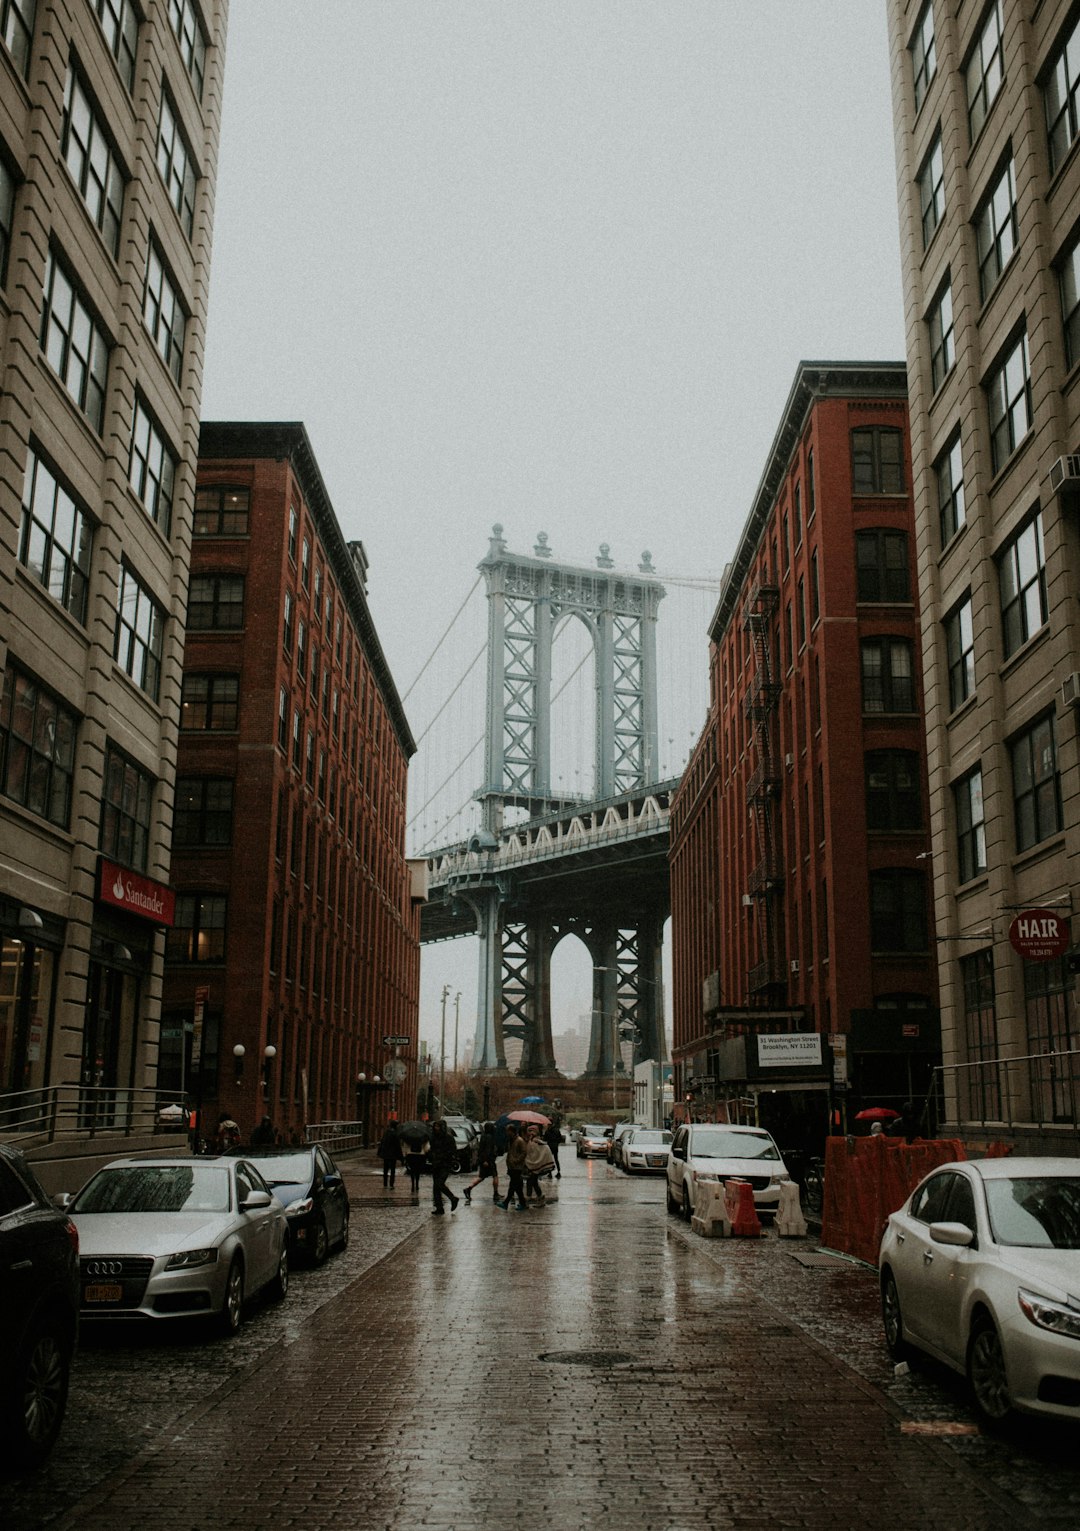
x=767, y=979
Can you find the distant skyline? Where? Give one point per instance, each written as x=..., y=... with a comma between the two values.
x=552, y=266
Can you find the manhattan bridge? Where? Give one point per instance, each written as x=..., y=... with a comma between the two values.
x=552, y=819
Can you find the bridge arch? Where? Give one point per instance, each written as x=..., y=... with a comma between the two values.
x=573, y=706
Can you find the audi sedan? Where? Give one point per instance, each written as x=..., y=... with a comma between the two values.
x=981, y=1268
x=644, y=1150
x=170, y=1238
x=592, y=1142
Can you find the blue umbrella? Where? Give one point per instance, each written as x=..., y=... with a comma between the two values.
x=531, y=1100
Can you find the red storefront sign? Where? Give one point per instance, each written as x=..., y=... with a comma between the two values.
x=135, y=894
x=1040, y=935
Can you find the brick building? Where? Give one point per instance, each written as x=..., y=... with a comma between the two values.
x=296, y=935
x=988, y=170
x=799, y=831
x=109, y=120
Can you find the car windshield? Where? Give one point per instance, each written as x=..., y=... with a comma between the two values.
x=649, y=1135
x=721, y=1143
x=283, y=1169
x=156, y=1188
x=593, y=1132
x=1036, y=1211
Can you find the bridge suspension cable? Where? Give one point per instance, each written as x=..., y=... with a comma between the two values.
x=481, y=651
x=442, y=640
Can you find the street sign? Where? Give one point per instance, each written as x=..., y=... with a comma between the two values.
x=396, y=1041
x=1040, y=935
x=395, y=1071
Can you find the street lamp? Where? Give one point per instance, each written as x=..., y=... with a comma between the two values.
x=238, y=1055
x=269, y=1054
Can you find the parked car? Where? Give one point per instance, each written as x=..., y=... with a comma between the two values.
x=592, y=1142
x=309, y=1185
x=979, y=1268
x=645, y=1150
x=39, y=1300
x=615, y=1137
x=165, y=1238
x=714, y=1151
x=465, y=1141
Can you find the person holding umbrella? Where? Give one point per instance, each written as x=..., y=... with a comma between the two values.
x=515, y=1168
x=443, y=1153
x=414, y=1138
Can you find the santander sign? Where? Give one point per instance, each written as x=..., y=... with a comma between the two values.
x=1040, y=935
x=135, y=894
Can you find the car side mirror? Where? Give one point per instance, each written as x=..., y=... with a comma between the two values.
x=952, y=1233
x=254, y=1201
x=332, y=1179
x=62, y=1200
x=678, y=1153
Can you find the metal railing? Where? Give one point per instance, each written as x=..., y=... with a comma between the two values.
x=338, y=1137
x=59, y=1111
x=1027, y=1091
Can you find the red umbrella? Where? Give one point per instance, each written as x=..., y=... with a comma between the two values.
x=877, y=1114
x=529, y=1116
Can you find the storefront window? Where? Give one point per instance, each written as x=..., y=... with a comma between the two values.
x=26, y=987
x=1051, y=1029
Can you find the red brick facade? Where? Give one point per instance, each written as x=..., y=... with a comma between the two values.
x=800, y=884
x=294, y=910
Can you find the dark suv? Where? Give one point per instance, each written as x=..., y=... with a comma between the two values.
x=39, y=1304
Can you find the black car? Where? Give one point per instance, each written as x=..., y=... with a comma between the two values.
x=309, y=1186
x=39, y=1301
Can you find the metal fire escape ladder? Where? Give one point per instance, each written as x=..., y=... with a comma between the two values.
x=760, y=705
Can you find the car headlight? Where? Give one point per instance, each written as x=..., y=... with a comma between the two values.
x=704, y=1175
x=184, y=1259
x=1054, y=1316
x=300, y=1208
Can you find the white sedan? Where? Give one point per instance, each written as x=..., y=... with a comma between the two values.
x=981, y=1268
x=645, y=1148
x=165, y=1238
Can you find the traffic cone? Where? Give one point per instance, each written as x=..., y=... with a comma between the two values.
x=790, y=1223
x=745, y=1223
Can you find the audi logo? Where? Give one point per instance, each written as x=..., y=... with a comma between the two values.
x=104, y=1267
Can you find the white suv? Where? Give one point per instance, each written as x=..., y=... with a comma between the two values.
x=717, y=1151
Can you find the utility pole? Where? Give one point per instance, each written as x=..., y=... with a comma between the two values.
x=457, y=1013
x=442, y=1052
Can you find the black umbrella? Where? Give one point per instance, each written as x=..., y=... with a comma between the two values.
x=415, y=1133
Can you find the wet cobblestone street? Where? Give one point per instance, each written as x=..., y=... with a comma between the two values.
x=591, y=1364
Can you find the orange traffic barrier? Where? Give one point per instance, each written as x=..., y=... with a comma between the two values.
x=739, y=1199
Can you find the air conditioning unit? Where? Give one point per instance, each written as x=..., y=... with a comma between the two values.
x=794, y=964
x=1065, y=473
x=748, y=900
x=1070, y=690
x=789, y=760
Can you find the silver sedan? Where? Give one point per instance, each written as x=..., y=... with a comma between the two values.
x=166, y=1238
x=981, y=1268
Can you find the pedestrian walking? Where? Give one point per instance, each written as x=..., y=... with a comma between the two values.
x=227, y=1134
x=264, y=1135
x=553, y=1137
x=415, y=1145
x=390, y=1152
x=539, y=1163
x=486, y=1164
x=515, y=1169
x=443, y=1153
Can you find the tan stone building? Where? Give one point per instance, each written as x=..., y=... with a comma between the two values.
x=987, y=119
x=109, y=120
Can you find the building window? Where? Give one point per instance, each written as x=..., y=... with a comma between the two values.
x=176, y=165
x=92, y=162
x=931, y=183
x=57, y=538
x=140, y=632
x=283, y=718
x=296, y=738
x=1051, y=1028
x=984, y=70
x=287, y=623
x=125, y=811
x=960, y=653
x=892, y=790
x=215, y=602
x=1036, y=784
x=204, y=810
x=996, y=230
x=292, y=535
x=74, y=342
x=7, y=215
x=221, y=511
x=163, y=313
x=801, y=613
x=981, y=1083
x=877, y=460
x=789, y=648
x=198, y=934
x=796, y=514
x=1069, y=284
x=301, y=651
x=881, y=565
x=37, y=748
x=898, y=911
x=1059, y=95
x=17, y=24
x=970, y=826
x=192, y=40
x=305, y=563
x=1022, y=586
x=152, y=469
x=888, y=678
x=939, y=324
x=923, y=55
x=210, y=703
x=309, y=759
x=316, y=605
x=949, y=472
x=1008, y=395
x=120, y=24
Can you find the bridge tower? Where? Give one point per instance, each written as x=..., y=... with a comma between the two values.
x=527, y=598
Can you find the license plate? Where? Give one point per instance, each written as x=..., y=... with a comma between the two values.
x=656, y=1162
x=103, y=1293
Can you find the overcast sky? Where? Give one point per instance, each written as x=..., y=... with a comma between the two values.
x=550, y=263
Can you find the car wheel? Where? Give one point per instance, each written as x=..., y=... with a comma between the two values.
x=321, y=1247
x=687, y=1209
x=986, y=1373
x=279, y=1286
x=891, y=1319
x=672, y=1204
x=33, y=1417
x=232, y=1309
